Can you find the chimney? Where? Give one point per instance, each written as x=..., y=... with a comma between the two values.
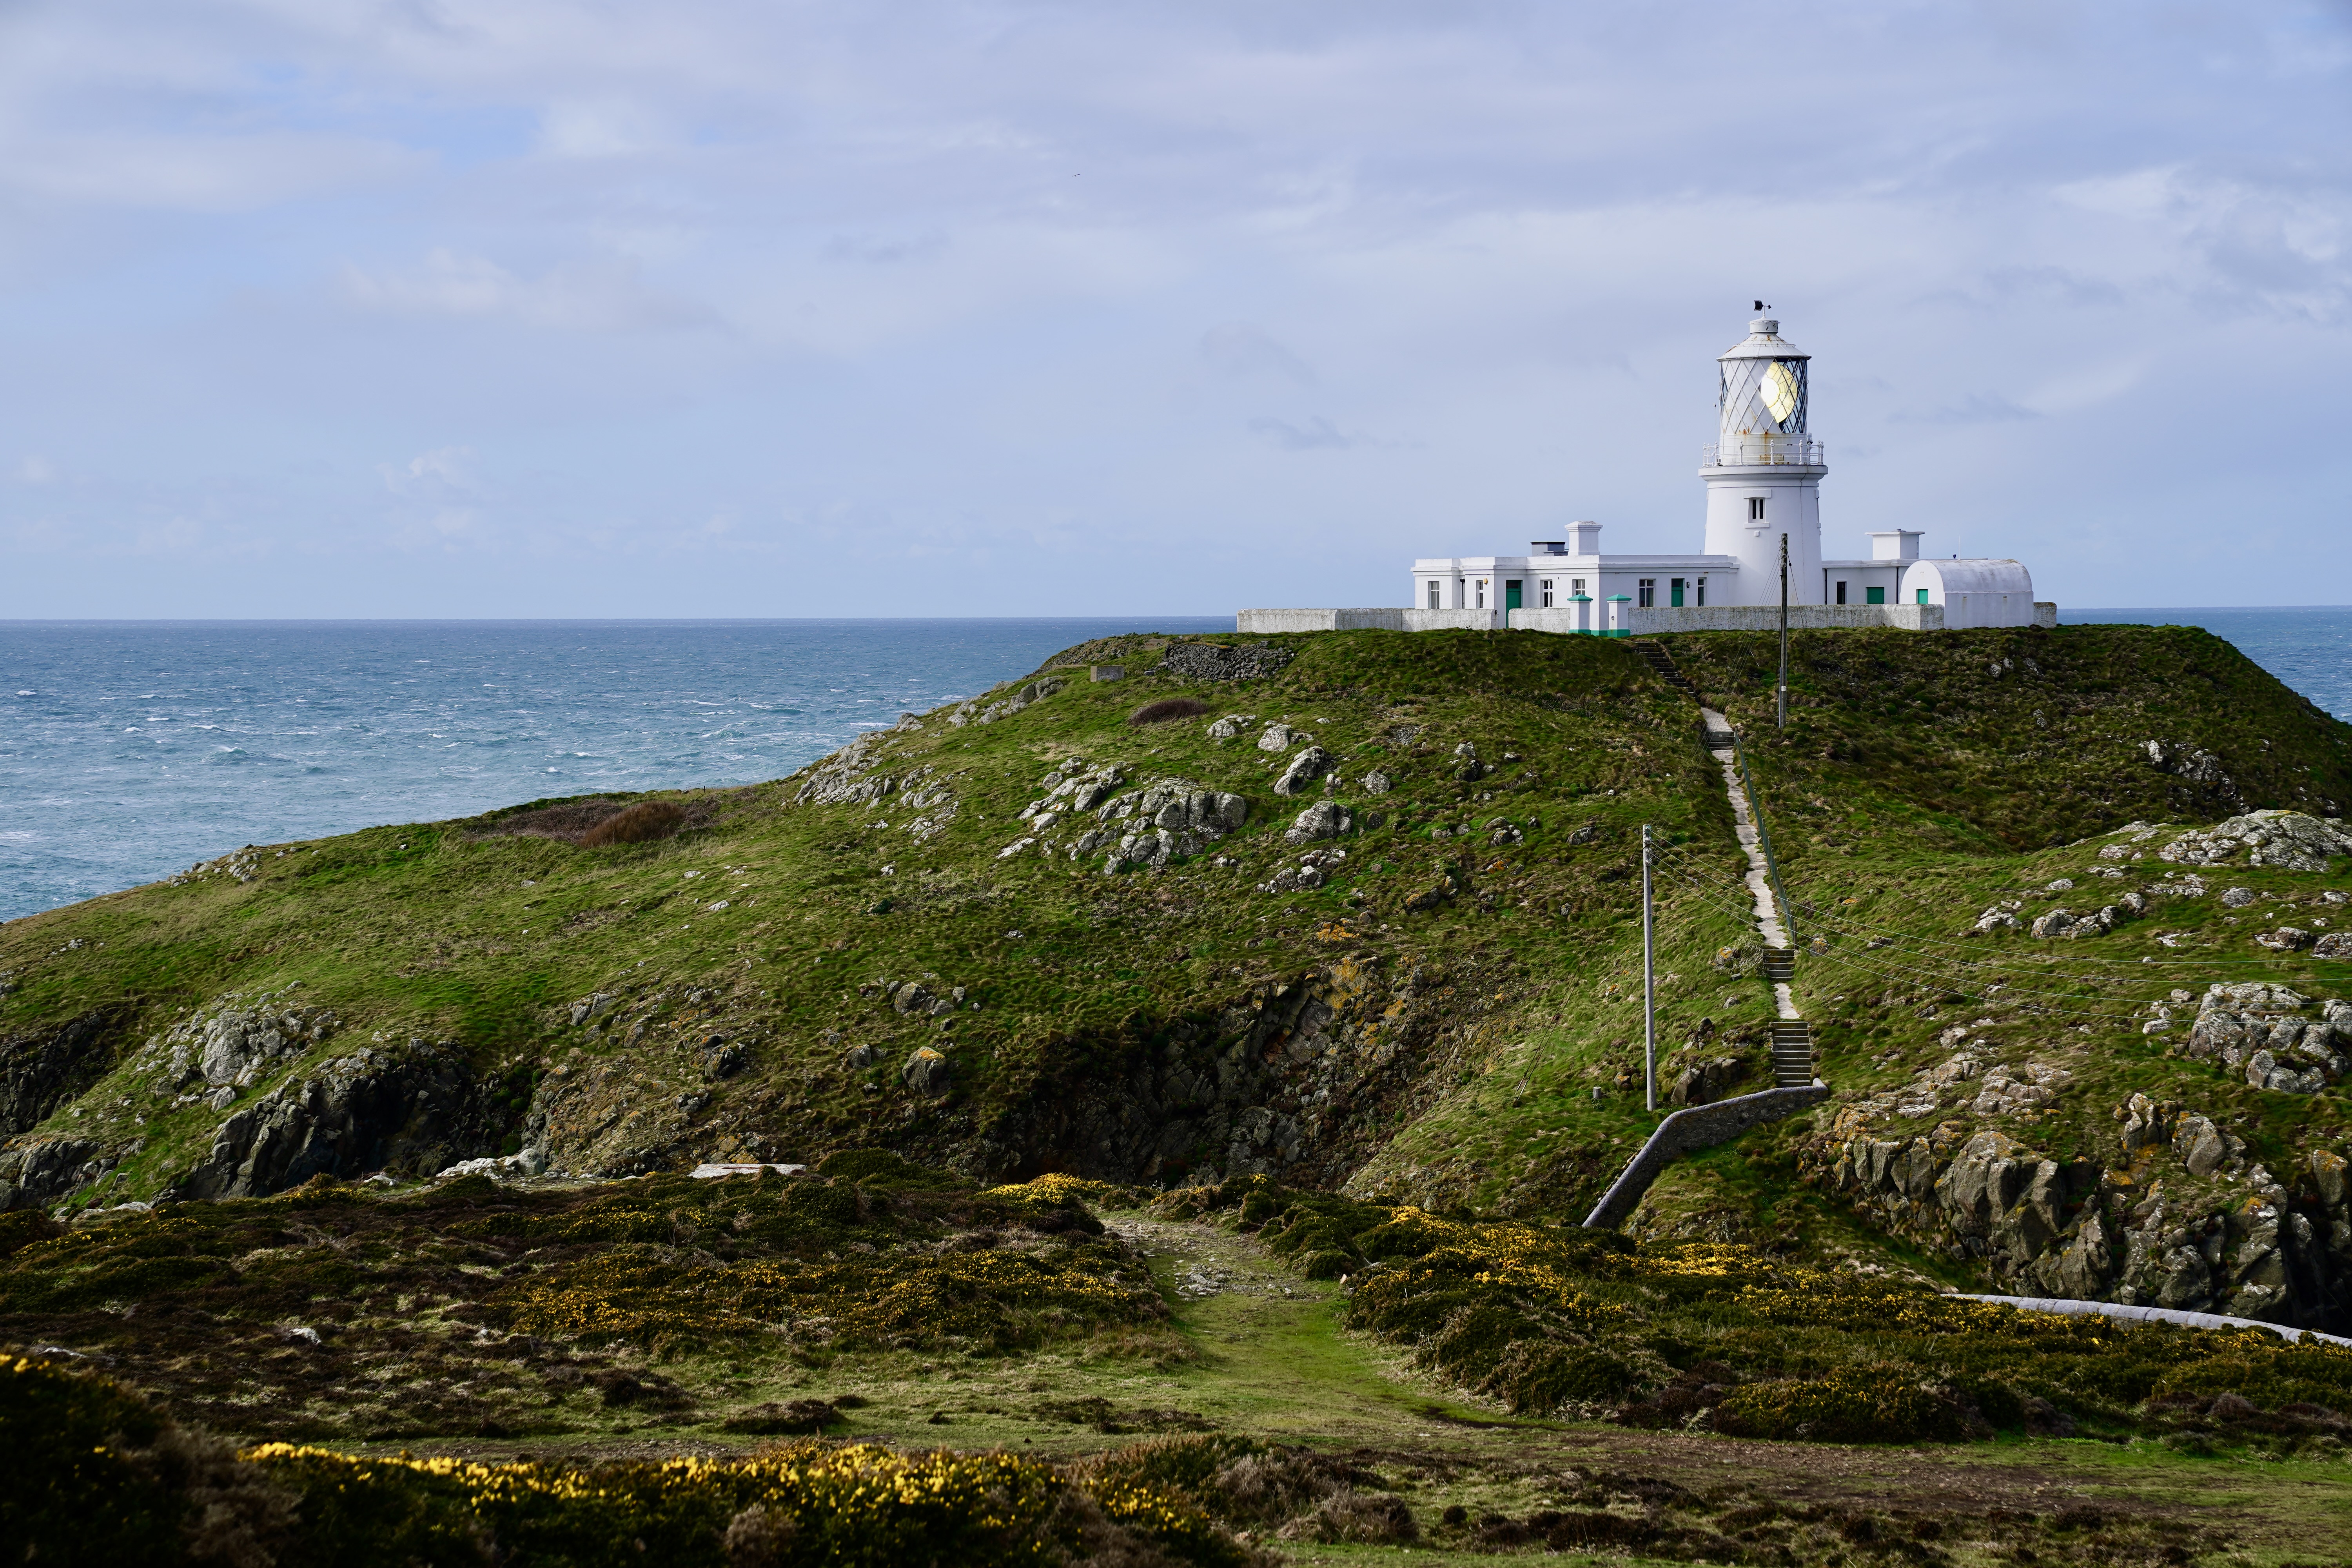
x=1896, y=544
x=1583, y=539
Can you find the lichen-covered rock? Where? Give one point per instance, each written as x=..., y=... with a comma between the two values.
x=2291, y=840
x=1305, y=768
x=1377, y=783
x=926, y=1072
x=1324, y=820
x=2191, y=762
x=1281, y=738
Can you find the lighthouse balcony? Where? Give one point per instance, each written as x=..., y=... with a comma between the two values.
x=1765, y=451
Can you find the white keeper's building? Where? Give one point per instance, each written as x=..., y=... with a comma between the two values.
x=1763, y=477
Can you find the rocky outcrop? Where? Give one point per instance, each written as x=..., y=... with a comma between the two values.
x=2193, y=763
x=45, y=1170
x=2288, y=839
x=236, y=1047
x=413, y=1111
x=2180, y=1221
x=41, y=1069
x=2260, y=1030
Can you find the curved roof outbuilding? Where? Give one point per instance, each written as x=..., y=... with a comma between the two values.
x=1979, y=592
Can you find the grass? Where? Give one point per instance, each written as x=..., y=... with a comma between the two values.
x=1431, y=1022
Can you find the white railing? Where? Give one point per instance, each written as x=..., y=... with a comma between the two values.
x=1765, y=450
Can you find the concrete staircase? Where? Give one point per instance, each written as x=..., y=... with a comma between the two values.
x=1792, y=1054
x=1780, y=964
x=1664, y=663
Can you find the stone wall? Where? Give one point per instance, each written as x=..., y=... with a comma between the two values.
x=1700, y=1127
x=1766, y=618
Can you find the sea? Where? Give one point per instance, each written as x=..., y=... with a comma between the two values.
x=133, y=750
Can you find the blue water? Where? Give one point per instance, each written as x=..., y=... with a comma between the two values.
x=128, y=751
x=131, y=749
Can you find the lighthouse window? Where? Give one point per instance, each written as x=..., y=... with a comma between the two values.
x=1649, y=592
x=1755, y=509
x=1576, y=586
x=1702, y=592
x=1546, y=593
x=1433, y=596
x=1841, y=599
x=1482, y=594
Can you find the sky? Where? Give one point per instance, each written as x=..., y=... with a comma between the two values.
x=728, y=308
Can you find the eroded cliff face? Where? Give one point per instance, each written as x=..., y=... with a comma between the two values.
x=295, y=1108
x=1300, y=1077
x=2181, y=1219
x=1302, y=1080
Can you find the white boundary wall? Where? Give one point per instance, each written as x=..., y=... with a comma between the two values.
x=1633, y=622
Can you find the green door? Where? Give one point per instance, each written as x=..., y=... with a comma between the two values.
x=1511, y=594
x=1923, y=595
x=1675, y=593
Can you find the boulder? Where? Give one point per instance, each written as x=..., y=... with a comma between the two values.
x=2335, y=944
x=1226, y=727
x=858, y=1057
x=1305, y=768
x=926, y=1072
x=2239, y=897
x=2287, y=939
x=2201, y=1145
x=1324, y=820
x=1377, y=783
x=1280, y=738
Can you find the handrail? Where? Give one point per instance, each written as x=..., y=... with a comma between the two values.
x=1765, y=451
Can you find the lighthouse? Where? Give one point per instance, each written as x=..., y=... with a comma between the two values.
x=1764, y=471
x=1763, y=477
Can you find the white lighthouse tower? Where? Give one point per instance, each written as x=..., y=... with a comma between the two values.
x=1764, y=473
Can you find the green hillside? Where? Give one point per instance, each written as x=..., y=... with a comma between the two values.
x=1327, y=931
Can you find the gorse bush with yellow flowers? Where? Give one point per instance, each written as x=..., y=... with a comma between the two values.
x=1551, y=1318
x=97, y=1475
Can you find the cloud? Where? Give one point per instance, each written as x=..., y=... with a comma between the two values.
x=441, y=474
x=1317, y=433
x=1037, y=284
x=1238, y=349
x=596, y=297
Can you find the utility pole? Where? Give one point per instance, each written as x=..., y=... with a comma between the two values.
x=1784, y=633
x=1649, y=985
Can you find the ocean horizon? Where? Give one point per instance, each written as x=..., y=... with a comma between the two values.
x=137, y=748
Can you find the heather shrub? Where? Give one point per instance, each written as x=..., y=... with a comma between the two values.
x=640, y=823
x=1167, y=710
